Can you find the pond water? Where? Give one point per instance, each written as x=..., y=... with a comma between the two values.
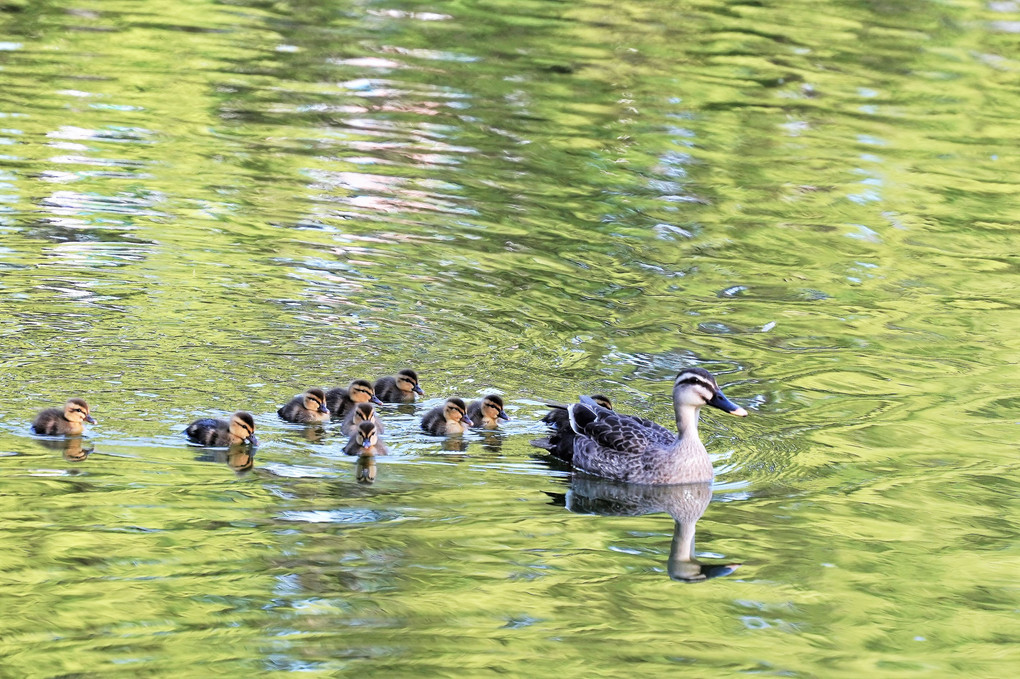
x=211, y=206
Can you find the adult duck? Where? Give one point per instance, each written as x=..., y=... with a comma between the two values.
x=628, y=448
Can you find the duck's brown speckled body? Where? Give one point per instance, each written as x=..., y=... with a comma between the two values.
x=632, y=449
x=340, y=400
x=449, y=418
x=487, y=412
x=399, y=388
x=211, y=432
x=307, y=408
x=69, y=421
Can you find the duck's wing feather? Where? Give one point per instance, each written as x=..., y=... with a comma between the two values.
x=615, y=446
x=613, y=431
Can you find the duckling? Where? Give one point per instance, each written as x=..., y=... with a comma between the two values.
x=487, y=412
x=557, y=417
x=308, y=407
x=340, y=400
x=605, y=443
x=209, y=432
x=449, y=418
x=362, y=412
x=365, y=441
x=67, y=422
x=399, y=388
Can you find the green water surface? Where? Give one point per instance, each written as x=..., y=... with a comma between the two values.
x=210, y=206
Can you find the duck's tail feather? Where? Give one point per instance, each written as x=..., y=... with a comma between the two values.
x=581, y=415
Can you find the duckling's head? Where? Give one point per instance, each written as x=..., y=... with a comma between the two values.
x=696, y=387
x=454, y=410
x=363, y=412
x=407, y=381
x=362, y=391
x=77, y=410
x=242, y=428
x=602, y=401
x=492, y=408
x=315, y=401
x=366, y=436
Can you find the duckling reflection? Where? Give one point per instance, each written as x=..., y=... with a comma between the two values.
x=684, y=502
x=454, y=444
x=239, y=457
x=73, y=448
x=364, y=470
x=492, y=440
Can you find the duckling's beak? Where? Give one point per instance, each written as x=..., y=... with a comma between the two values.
x=323, y=408
x=252, y=440
x=503, y=416
x=465, y=420
x=418, y=390
x=375, y=400
x=91, y=420
x=367, y=443
x=727, y=406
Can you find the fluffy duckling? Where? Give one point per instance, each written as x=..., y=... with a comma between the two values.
x=308, y=407
x=209, y=432
x=487, y=412
x=67, y=422
x=363, y=412
x=449, y=418
x=557, y=419
x=340, y=400
x=365, y=441
x=399, y=388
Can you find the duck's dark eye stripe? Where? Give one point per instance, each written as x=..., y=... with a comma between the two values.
x=698, y=381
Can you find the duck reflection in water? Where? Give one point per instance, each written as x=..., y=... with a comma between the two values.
x=684, y=502
x=74, y=448
x=240, y=458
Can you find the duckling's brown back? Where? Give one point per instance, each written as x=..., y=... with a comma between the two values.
x=51, y=422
